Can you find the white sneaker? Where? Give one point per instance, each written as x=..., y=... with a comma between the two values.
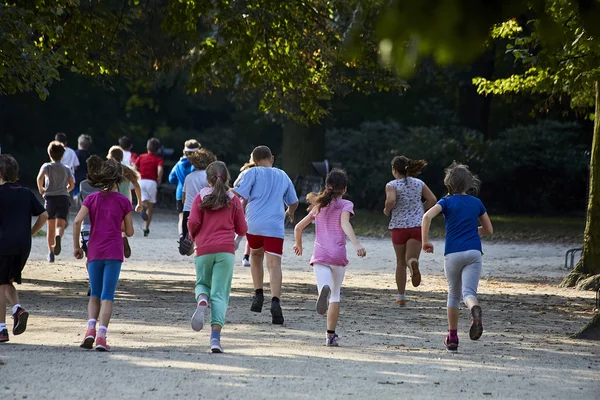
x=215, y=346
x=198, y=317
x=245, y=262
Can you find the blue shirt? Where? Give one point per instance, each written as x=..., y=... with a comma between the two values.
x=177, y=176
x=266, y=190
x=461, y=216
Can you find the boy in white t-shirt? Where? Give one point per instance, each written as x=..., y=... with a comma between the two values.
x=69, y=159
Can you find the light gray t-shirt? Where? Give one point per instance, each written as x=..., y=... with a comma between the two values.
x=57, y=177
x=193, y=184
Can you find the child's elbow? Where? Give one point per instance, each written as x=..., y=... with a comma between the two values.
x=129, y=231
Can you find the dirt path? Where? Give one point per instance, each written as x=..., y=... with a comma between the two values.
x=387, y=352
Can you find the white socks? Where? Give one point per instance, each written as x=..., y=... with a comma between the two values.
x=102, y=331
x=16, y=307
x=2, y=326
x=401, y=297
x=92, y=323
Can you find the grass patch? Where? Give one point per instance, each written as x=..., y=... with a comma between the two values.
x=508, y=228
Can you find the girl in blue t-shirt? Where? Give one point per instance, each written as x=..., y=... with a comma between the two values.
x=462, y=215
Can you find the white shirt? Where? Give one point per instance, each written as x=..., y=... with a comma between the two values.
x=194, y=183
x=126, y=158
x=70, y=159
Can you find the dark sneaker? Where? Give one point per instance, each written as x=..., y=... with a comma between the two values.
x=276, y=313
x=126, y=248
x=144, y=214
x=186, y=247
x=332, y=340
x=57, y=246
x=146, y=232
x=84, y=241
x=476, y=326
x=20, y=321
x=4, y=335
x=50, y=257
x=451, y=344
x=323, y=300
x=257, y=302
x=415, y=274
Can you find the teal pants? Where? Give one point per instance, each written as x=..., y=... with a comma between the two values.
x=214, y=273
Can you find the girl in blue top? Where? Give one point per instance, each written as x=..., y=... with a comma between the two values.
x=462, y=215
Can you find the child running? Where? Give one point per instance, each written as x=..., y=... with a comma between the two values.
x=150, y=167
x=331, y=214
x=55, y=181
x=462, y=265
x=267, y=190
x=177, y=177
x=108, y=211
x=246, y=258
x=130, y=177
x=194, y=183
x=216, y=217
x=17, y=206
x=403, y=201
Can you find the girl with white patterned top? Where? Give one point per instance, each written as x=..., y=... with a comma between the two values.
x=404, y=203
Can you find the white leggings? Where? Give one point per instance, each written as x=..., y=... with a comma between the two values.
x=331, y=276
x=463, y=270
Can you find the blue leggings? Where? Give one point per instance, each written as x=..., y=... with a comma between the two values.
x=104, y=276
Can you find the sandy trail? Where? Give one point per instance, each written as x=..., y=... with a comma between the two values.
x=387, y=352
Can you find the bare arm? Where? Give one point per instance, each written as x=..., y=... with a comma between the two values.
x=390, y=199
x=138, y=195
x=161, y=170
x=426, y=224
x=83, y=212
x=128, y=221
x=300, y=226
x=70, y=185
x=430, y=198
x=486, y=227
x=41, y=220
x=349, y=231
x=40, y=181
x=291, y=211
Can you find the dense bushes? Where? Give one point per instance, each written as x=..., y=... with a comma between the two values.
x=541, y=167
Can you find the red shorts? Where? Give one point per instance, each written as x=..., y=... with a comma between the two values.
x=401, y=235
x=272, y=245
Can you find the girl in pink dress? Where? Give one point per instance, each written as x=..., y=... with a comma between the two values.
x=331, y=214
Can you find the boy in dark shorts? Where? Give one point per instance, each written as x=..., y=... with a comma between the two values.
x=17, y=206
x=55, y=181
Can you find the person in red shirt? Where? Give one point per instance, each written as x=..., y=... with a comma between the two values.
x=150, y=167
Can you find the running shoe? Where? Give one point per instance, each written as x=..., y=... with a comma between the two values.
x=276, y=313
x=323, y=300
x=401, y=302
x=186, y=247
x=332, y=340
x=215, y=345
x=144, y=214
x=88, y=340
x=20, y=321
x=451, y=344
x=257, y=302
x=146, y=232
x=126, y=248
x=4, y=335
x=476, y=326
x=84, y=241
x=57, y=246
x=101, y=344
x=246, y=261
x=198, y=317
x=50, y=257
x=415, y=274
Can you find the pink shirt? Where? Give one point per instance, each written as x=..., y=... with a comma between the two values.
x=330, y=239
x=107, y=212
x=213, y=231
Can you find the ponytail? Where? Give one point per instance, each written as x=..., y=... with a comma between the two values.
x=218, y=178
x=335, y=186
x=407, y=167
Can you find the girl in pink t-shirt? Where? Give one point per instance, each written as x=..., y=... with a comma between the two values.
x=109, y=212
x=332, y=215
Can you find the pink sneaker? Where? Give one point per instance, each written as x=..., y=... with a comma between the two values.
x=101, y=344
x=88, y=341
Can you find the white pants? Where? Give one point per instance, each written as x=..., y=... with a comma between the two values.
x=331, y=276
x=149, y=190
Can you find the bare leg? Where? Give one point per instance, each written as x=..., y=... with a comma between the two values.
x=471, y=302
x=256, y=267
x=11, y=295
x=332, y=316
x=60, y=227
x=50, y=235
x=149, y=207
x=105, y=312
x=413, y=251
x=400, y=268
x=452, y=318
x=3, y=303
x=216, y=327
x=180, y=225
x=93, y=307
x=274, y=267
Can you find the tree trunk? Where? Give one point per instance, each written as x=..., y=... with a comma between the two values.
x=585, y=274
x=302, y=145
x=591, y=331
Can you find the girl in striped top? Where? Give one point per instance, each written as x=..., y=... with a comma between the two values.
x=332, y=215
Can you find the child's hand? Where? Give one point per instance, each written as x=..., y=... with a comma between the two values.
x=298, y=250
x=290, y=215
x=237, y=241
x=360, y=250
x=386, y=212
x=139, y=207
x=427, y=247
x=78, y=254
x=42, y=191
